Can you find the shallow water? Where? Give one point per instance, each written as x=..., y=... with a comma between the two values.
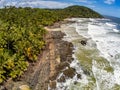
x=98, y=61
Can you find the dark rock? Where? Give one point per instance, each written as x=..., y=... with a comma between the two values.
x=86, y=72
x=79, y=76
x=62, y=65
x=75, y=82
x=70, y=72
x=70, y=59
x=62, y=79
x=83, y=42
x=70, y=45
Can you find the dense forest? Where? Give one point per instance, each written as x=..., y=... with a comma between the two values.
x=22, y=35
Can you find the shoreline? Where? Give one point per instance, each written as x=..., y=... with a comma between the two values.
x=55, y=58
x=62, y=66
x=57, y=25
x=93, y=64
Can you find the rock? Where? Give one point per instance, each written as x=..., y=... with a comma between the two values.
x=61, y=79
x=83, y=42
x=79, y=76
x=57, y=35
x=70, y=58
x=24, y=87
x=20, y=86
x=62, y=65
x=71, y=45
x=75, y=82
x=52, y=84
x=86, y=72
x=70, y=72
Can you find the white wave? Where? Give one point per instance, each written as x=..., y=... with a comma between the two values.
x=109, y=46
x=70, y=36
x=98, y=19
x=108, y=43
x=91, y=19
x=115, y=30
x=110, y=24
x=95, y=30
x=103, y=77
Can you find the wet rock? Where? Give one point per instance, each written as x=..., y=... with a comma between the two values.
x=70, y=45
x=61, y=79
x=61, y=66
x=83, y=42
x=75, y=82
x=70, y=72
x=70, y=58
x=52, y=84
x=63, y=58
x=78, y=76
x=86, y=72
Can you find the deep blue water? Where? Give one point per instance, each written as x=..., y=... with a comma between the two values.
x=114, y=19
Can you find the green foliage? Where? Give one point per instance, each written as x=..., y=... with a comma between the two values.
x=22, y=35
x=81, y=11
x=21, y=40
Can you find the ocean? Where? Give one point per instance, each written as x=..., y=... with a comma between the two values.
x=114, y=19
x=98, y=62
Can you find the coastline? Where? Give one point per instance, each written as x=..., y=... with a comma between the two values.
x=56, y=56
x=93, y=65
x=69, y=60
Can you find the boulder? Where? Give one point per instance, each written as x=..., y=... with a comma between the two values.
x=70, y=72
x=78, y=76
x=24, y=87
x=62, y=65
x=61, y=79
x=20, y=86
x=83, y=42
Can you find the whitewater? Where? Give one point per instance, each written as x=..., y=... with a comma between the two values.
x=98, y=62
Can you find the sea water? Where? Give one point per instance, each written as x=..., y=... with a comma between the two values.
x=98, y=61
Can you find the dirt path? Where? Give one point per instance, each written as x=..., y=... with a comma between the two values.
x=42, y=74
x=54, y=59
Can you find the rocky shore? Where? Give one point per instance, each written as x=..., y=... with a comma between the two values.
x=42, y=75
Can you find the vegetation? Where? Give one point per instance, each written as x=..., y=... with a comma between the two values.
x=80, y=11
x=22, y=35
